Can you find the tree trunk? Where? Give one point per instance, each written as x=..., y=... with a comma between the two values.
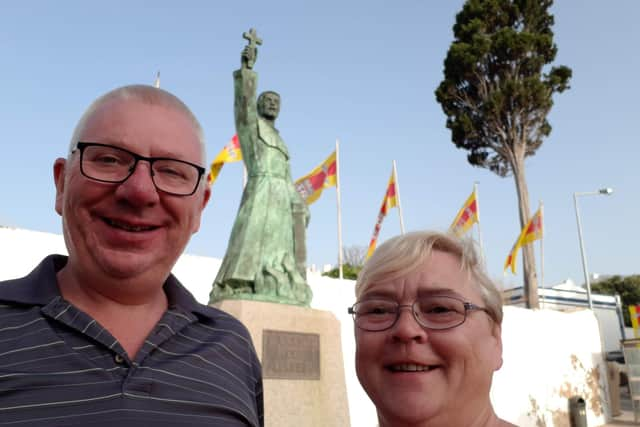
x=528, y=256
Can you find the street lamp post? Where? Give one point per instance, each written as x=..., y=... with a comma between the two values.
x=606, y=192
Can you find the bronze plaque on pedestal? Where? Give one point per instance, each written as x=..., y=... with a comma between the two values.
x=290, y=355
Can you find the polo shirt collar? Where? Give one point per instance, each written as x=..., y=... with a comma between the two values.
x=40, y=287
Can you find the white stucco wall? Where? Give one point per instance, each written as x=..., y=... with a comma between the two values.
x=548, y=355
x=21, y=250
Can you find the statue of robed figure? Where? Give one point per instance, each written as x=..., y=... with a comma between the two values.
x=266, y=255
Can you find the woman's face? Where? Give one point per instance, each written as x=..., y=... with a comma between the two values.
x=413, y=374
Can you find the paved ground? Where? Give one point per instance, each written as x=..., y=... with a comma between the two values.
x=626, y=418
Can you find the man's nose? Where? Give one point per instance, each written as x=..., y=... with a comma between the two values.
x=139, y=188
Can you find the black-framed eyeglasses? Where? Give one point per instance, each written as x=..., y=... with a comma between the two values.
x=106, y=163
x=431, y=312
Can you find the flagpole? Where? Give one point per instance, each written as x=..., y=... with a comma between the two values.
x=340, y=253
x=395, y=179
x=475, y=190
x=542, y=249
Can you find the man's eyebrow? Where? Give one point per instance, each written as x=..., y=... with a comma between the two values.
x=117, y=143
x=102, y=140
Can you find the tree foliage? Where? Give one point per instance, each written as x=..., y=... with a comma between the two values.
x=354, y=258
x=348, y=272
x=497, y=92
x=628, y=287
x=355, y=255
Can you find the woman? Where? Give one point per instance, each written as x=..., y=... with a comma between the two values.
x=428, y=335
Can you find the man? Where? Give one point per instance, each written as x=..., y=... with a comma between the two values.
x=266, y=255
x=108, y=336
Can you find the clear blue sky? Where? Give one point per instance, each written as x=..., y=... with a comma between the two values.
x=361, y=71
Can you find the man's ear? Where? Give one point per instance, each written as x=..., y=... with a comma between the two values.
x=58, y=178
x=205, y=199
x=207, y=196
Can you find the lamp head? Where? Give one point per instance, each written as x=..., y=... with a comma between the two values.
x=606, y=191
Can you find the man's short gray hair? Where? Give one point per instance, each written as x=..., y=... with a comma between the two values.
x=146, y=94
x=403, y=254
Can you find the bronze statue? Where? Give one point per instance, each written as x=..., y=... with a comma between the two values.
x=266, y=255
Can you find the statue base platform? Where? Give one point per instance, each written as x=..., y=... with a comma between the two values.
x=302, y=362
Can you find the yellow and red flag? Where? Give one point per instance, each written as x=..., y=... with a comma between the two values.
x=467, y=216
x=530, y=233
x=230, y=153
x=634, y=311
x=323, y=176
x=390, y=201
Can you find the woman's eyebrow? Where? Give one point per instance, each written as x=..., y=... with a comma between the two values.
x=422, y=292
x=379, y=294
x=439, y=290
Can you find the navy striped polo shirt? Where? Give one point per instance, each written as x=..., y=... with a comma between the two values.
x=59, y=367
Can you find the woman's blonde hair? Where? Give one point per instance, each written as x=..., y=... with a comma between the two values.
x=402, y=254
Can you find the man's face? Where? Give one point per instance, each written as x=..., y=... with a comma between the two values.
x=413, y=374
x=129, y=230
x=269, y=106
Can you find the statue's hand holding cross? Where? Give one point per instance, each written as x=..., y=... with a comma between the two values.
x=250, y=51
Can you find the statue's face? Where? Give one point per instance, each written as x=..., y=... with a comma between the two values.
x=269, y=106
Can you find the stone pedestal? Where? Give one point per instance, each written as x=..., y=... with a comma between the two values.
x=302, y=363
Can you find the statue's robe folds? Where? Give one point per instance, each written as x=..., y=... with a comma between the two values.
x=260, y=262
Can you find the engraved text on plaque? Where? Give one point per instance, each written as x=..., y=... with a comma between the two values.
x=290, y=355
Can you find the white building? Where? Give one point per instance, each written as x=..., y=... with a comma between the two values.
x=567, y=296
x=540, y=346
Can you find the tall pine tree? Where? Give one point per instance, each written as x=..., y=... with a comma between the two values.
x=497, y=92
